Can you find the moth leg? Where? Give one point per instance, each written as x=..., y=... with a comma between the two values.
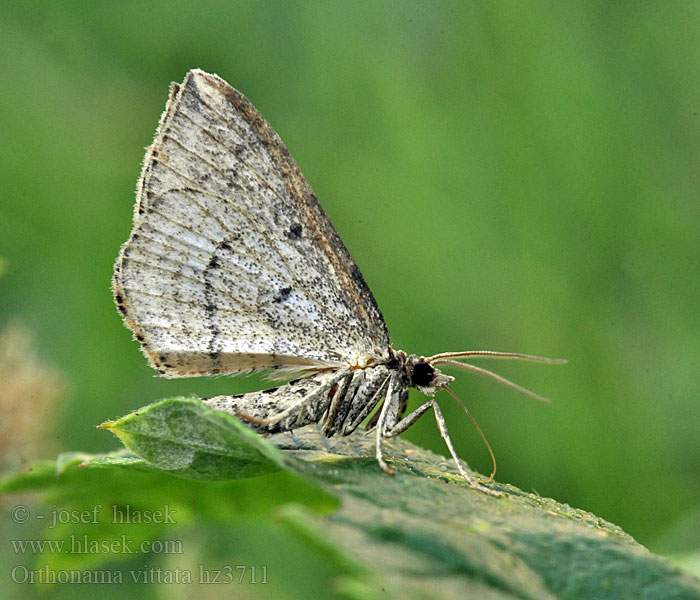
x=401, y=425
x=391, y=405
x=338, y=395
x=288, y=407
x=389, y=424
x=304, y=407
x=394, y=414
x=365, y=408
x=301, y=405
x=442, y=426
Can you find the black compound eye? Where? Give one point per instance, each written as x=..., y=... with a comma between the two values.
x=422, y=374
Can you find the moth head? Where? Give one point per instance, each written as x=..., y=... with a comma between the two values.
x=427, y=378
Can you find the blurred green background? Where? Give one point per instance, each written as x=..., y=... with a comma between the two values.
x=508, y=176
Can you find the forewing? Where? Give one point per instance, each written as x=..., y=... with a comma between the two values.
x=232, y=264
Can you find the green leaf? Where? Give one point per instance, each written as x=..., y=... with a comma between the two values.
x=321, y=513
x=187, y=438
x=426, y=533
x=203, y=467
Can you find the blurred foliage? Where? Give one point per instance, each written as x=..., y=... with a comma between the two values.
x=507, y=175
x=30, y=395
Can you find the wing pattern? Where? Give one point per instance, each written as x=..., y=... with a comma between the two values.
x=232, y=264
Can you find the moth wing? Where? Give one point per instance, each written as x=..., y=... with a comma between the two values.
x=232, y=265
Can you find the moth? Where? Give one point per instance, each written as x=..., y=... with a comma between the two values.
x=232, y=266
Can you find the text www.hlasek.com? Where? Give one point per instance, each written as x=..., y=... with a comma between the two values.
x=83, y=544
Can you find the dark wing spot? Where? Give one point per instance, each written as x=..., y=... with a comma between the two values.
x=294, y=232
x=210, y=305
x=283, y=294
x=270, y=391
